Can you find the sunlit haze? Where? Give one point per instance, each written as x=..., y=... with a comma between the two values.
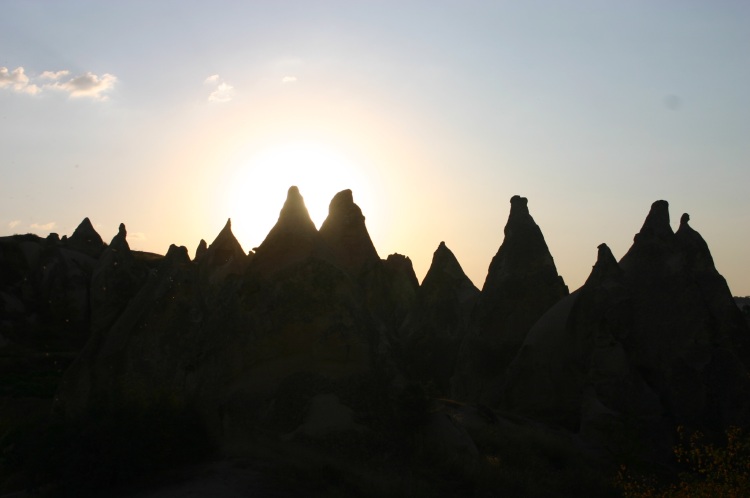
x=172, y=116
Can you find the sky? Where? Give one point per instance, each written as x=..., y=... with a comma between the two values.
x=172, y=116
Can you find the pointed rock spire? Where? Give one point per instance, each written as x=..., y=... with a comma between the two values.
x=115, y=280
x=657, y=222
x=86, y=240
x=345, y=233
x=294, y=215
x=654, y=252
x=437, y=323
x=697, y=252
x=120, y=241
x=291, y=240
x=200, y=252
x=224, y=248
x=606, y=267
x=446, y=271
x=524, y=250
x=522, y=283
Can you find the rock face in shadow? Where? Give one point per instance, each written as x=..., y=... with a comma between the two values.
x=345, y=233
x=643, y=346
x=115, y=280
x=86, y=240
x=222, y=258
x=437, y=323
x=522, y=283
x=45, y=288
x=315, y=323
x=293, y=239
x=224, y=333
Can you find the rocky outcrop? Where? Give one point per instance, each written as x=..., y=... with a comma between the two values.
x=86, y=240
x=316, y=323
x=44, y=291
x=293, y=239
x=645, y=345
x=437, y=323
x=200, y=251
x=522, y=283
x=225, y=345
x=222, y=258
x=115, y=280
x=344, y=231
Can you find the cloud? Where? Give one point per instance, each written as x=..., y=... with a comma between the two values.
x=14, y=223
x=46, y=226
x=54, y=75
x=17, y=81
x=288, y=79
x=136, y=236
x=87, y=85
x=224, y=91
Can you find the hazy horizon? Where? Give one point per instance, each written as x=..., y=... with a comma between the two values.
x=173, y=116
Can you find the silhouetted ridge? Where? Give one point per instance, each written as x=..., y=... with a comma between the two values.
x=401, y=265
x=200, y=251
x=317, y=335
x=294, y=215
x=522, y=283
x=115, y=280
x=657, y=344
x=606, y=267
x=86, y=239
x=433, y=330
x=657, y=221
x=224, y=248
x=176, y=255
x=291, y=240
x=697, y=252
x=445, y=268
x=345, y=232
x=120, y=241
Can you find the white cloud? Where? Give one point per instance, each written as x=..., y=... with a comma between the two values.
x=17, y=81
x=46, y=226
x=288, y=79
x=14, y=223
x=54, y=75
x=87, y=85
x=224, y=91
x=136, y=236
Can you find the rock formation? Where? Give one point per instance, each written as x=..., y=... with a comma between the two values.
x=86, y=240
x=642, y=347
x=200, y=251
x=345, y=233
x=315, y=324
x=437, y=323
x=293, y=239
x=222, y=334
x=115, y=280
x=522, y=283
x=44, y=288
x=222, y=258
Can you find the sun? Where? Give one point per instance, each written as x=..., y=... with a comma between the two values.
x=259, y=184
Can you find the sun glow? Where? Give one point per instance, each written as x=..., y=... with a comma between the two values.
x=260, y=182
